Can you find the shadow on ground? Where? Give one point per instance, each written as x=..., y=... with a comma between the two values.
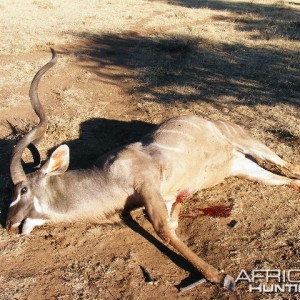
x=6, y=146
x=99, y=136
x=264, y=21
x=182, y=68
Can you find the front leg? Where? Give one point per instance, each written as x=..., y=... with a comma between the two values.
x=158, y=215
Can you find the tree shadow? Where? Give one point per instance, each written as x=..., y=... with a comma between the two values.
x=183, y=68
x=262, y=20
x=99, y=136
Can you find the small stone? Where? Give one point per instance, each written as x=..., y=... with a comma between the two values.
x=232, y=223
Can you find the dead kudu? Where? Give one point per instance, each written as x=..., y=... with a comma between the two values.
x=182, y=156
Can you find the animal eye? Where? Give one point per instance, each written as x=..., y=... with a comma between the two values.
x=24, y=190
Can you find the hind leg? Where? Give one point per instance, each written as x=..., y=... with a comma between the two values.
x=266, y=154
x=261, y=152
x=245, y=143
x=246, y=168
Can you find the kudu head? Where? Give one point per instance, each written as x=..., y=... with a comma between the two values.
x=30, y=191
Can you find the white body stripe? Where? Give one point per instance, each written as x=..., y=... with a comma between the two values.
x=175, y=149
x=208, y=125
x=176, y=132
x=227, y=128
x=190, y=123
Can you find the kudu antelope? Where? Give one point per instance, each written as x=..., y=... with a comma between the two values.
x=182, y=156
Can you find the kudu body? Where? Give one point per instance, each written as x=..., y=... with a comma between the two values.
x=182, y=156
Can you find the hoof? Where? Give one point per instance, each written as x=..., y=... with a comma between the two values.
x=295, y=184
x=229, y=283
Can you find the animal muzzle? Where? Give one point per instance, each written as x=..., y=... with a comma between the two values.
x=13, y=222
x=12, y=227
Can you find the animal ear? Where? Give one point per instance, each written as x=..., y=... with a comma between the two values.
x=58, y=162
